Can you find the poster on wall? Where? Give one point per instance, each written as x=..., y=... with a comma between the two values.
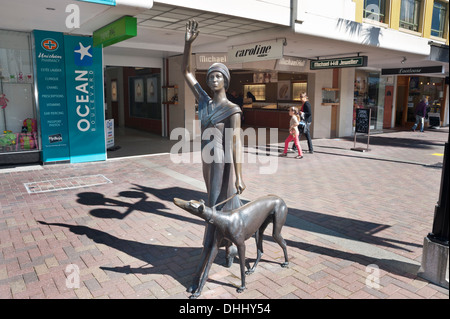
x=284, y=90
x=152, y=92
x=51, y=87
x=85, y=113
x=139, y=90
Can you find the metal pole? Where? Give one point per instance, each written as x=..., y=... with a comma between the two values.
x=440, y=232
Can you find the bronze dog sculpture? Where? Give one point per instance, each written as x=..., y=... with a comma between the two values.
x=237, y=226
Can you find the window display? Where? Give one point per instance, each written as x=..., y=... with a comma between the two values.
x=18, y=128
x=369, y=92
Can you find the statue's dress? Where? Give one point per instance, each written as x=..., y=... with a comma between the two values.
x=217, y=153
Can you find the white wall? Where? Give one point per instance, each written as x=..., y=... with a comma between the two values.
x=183, y=113
x=346, y=85
x=273, y=11
x=321, y=113
x=131, y=60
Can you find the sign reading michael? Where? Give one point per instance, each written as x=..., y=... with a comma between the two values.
x=268, y=50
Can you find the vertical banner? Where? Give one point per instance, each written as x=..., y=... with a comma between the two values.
x=51, y=86
x=85, y=107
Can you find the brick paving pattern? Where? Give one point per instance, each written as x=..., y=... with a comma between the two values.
x=355, y=228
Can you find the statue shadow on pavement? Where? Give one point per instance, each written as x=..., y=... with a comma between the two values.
x=180, y=262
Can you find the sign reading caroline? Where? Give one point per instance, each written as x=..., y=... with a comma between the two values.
x=84, y=84
x=268, y=50
x=51, y=87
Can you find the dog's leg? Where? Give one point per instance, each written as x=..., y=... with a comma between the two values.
x=259, y=244
x=207, y=245
x=278, y=222
x=212, y=255
x=241, y=251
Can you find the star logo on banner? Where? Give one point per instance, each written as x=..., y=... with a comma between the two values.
x=83, y=51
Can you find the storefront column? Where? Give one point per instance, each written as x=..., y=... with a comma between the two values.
x=181, y=114
x=346, y=81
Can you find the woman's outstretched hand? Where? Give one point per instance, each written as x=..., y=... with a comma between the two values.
x=191, y=31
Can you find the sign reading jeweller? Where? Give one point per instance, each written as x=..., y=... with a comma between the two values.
x=267, y=50
x=349, y=62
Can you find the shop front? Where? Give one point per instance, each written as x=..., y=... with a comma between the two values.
x=375, y=92
x=411, y=88
x=51, y=95
x=19, y=138
x=264, y=89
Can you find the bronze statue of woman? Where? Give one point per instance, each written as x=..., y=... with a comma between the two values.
x=221, y=159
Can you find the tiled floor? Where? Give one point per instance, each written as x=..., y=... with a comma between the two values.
x=355, y=228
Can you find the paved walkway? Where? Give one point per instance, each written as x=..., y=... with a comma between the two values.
x=355, y=228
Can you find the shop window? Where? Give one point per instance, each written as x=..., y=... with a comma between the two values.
x=369, y=93
x=18, y=126
x=258, y=90
x=410, y=14
x=375, y=10
x=145, y=99
x=439, y=19
x=297, y=89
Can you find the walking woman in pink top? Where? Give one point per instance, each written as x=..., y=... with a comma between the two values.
x=293, y=132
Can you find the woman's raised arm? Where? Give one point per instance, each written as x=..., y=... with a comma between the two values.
x=191, y=35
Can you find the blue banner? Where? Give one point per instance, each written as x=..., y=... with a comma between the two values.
x=107, y=2
x=51, y=85
x=85, y=106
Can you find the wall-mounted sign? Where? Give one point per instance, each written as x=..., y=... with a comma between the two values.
x=267, y=50
x=117, y=31
x=204, y=60
x=69, y=77
x=292, y=64
x=413, y=70
x=51, y=87
x=349, y=62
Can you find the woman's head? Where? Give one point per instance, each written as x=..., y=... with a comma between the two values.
x=218, y=71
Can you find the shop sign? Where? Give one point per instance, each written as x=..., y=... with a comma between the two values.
x=267, y=50
x=348, y=62
x=117, y=31
x=69, y=78
x=84, y=84
x=292, y=64
x=204, y=60
x=413, y=70
x=51, y=85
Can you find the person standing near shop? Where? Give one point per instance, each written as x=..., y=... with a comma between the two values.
x=293, y=132
x=306, y=114
x=421, y=112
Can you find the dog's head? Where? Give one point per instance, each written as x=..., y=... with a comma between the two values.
x=194, y=207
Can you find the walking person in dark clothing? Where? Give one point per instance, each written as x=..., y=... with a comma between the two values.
x=421, y=112
x=306, y=115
